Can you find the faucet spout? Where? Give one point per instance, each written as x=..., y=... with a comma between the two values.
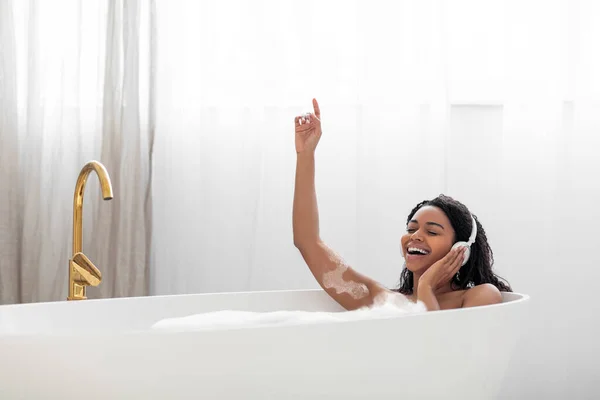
x=82, y=272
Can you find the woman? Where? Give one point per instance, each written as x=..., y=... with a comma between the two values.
x=434, y=273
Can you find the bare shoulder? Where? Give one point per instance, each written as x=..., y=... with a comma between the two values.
x=482, y=295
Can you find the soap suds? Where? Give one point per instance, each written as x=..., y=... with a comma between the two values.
x=387, y=305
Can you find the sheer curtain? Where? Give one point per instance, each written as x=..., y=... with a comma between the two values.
x=75, y=85
x=493, y=103
x=230, y=78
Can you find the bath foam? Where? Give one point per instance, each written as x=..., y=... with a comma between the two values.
x=387, y=305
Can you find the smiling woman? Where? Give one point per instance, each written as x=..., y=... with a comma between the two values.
x=439, y=273
x=448, y=258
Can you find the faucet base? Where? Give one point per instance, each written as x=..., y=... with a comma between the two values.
x=77, y=292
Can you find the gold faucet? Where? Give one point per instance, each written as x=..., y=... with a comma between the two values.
x=82, y=272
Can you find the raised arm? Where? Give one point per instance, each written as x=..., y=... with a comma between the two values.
x=346, y=286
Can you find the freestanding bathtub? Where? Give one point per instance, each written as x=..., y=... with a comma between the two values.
x=105, y=349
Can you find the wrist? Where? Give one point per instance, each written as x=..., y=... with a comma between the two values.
x=306, y=155
x=424, y=286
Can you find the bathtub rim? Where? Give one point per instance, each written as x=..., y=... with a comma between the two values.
x=515, y=300
x=517, y=297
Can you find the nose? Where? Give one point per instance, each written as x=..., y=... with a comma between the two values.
x=416, y=235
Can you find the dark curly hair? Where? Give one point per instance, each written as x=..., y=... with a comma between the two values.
x=478, y=270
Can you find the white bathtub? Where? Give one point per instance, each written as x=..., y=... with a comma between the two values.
x=105, y=349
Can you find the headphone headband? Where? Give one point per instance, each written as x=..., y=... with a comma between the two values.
x=473, y=231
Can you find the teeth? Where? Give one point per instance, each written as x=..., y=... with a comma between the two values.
x=418, y=250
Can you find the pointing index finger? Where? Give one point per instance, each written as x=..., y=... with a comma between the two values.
x=317, y=109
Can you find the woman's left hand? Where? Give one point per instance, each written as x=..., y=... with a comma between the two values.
x=443, y=270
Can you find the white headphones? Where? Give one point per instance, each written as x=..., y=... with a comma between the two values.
x=469, y=243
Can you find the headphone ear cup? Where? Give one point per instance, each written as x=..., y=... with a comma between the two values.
x=466, y=255
x=467, y=251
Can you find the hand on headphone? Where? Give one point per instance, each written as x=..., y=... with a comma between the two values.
x=442, y=271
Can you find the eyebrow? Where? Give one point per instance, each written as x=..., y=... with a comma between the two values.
x=427, y=223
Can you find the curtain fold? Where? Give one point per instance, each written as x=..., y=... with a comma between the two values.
x=10, y=221
x=122, y=237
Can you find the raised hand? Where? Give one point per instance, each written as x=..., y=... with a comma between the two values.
x=308, y=130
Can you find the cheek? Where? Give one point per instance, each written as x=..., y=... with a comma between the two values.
x=440, y=247
x=403, y=242
x=404, y=239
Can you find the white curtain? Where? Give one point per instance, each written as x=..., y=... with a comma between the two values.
x=494, y=103
x=75, y=85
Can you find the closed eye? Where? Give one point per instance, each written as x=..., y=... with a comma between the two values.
x=412, y=230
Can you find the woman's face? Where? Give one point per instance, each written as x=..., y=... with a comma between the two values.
x=429, y=237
